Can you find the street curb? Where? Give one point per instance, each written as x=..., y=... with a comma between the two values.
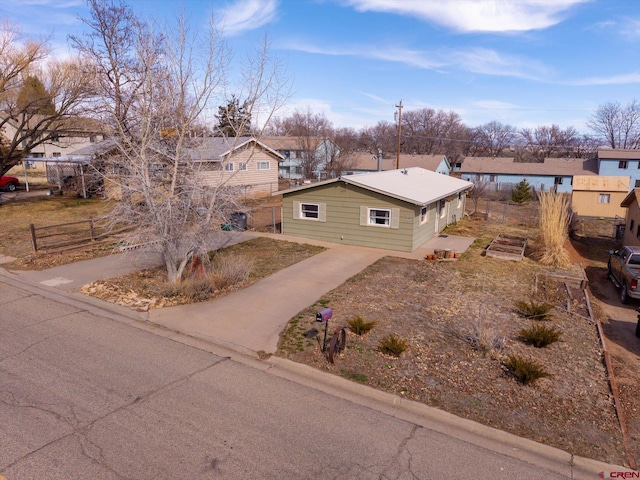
x=534, y=453
x=432, y=418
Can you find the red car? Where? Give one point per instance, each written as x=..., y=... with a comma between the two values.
x=10, y=184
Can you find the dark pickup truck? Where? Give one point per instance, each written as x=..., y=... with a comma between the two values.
x=624, y=271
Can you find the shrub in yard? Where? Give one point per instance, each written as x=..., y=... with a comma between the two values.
x=230, y=270
x=540, y=335
x=484, y=339
x=526, y=371
x=534, y=310
x=194, y=289
x=521, y=192
x=392, y=345
x=358, y=326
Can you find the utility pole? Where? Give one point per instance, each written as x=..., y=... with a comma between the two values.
x=399, y=120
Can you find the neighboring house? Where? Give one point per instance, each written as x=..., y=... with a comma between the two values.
x=240, y=162
x=395, y=209
x=597, y=196
x=554, y=174
x=361, y=162
x=294, y=150
x=632, y=220
x=71, y=134
x=618, y=162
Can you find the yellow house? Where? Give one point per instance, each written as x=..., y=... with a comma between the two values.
x=599, y=196
x=632, y=220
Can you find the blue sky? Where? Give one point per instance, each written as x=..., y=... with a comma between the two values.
x=522, y=62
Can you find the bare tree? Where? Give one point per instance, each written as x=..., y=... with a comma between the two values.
x=24, y=122
x=309, y=129
x=492, y=138
x=153, y=88
x=617, y=126
x=543, y=142
x=477, y=192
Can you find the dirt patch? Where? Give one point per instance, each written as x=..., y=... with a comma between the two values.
x=460, y=324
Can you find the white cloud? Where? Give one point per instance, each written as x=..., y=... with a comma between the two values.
x=477, y=15
x=622, y=79
x=476, y=60
x=244, y=15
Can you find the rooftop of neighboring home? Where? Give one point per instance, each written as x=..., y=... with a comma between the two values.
x=215, y=148
x=414, y=185
x=618, y=154
x=82, y=125
x=562, y=167
x=369, y=161
x=291, y=142
x=634, y=196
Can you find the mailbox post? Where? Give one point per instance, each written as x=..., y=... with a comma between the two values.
x=324, y=316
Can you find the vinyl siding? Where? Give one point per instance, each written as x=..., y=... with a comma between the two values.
x=342, y=223
x=256, y=181
x=344, y=215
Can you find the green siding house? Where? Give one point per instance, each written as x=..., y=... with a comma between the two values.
x=394, y=209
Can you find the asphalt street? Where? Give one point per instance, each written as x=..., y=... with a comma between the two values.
x=90, y=393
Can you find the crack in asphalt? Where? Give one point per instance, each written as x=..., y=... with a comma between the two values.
x=82, y=430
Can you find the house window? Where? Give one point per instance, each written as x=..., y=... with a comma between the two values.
x=424, y=215
x=493, y=178
x=479, y=177
x=92, y=138
x=378, y=216
x=604, y=198
x=55, y=154
x=443, y=210
x=557, y=181
x=229, y=167
x=637, y=184
x=459, y=199
x=263, y=165
x=309, y=210
x=623, y=164
x=631, y=227
x=242, y=166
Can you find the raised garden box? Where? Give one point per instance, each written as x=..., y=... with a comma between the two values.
x=506, y=248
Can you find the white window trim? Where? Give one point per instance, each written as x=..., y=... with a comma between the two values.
x=424, y=218
x=322, y=211
x=242, y=166
x=394, y=217
x=604, y=196
x=228, y=167
x=261, y=164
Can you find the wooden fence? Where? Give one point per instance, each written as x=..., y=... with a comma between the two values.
x=72, y=235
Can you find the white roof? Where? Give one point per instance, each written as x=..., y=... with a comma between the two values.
x=413, y=185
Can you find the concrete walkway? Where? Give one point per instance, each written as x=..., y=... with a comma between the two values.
x=248, y=320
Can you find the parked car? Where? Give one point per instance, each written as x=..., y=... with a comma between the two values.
x=10, y=184
x=624, y=270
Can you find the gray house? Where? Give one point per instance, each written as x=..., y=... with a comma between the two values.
x=395, y=209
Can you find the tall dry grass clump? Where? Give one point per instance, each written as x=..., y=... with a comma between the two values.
x=554, y=230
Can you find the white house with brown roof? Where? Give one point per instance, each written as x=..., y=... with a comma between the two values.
x=554, y=174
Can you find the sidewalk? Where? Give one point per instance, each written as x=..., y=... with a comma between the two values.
x=248, y=320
